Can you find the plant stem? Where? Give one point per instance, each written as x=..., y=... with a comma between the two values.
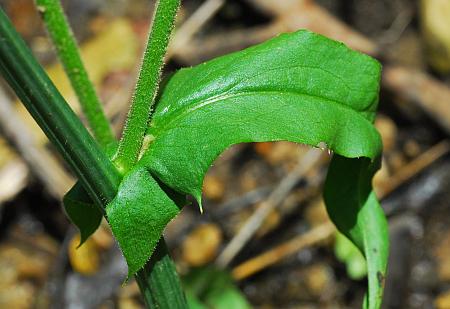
x=54, y=116
x=89, y=163
x=147, y=84
x=68, y=52
x=161, y=276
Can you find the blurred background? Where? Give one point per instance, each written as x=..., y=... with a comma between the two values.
x=293, y=258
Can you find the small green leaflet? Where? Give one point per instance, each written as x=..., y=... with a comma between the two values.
x=299, y=87
x=81, y=210
x=83, y=213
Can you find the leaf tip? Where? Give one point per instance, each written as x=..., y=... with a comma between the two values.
x=125, y=282
x=198, y=198
x=83, y=238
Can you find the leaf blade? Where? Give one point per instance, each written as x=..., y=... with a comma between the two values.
x=264, y=93
x=138, y=215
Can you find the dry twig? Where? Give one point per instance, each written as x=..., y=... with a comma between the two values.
x=256, y=264
x=41, y=162
x=191, y=26
x=305, y=164
x=13, y=178
x=325, y=230
x=414, y=167
x=427, y=92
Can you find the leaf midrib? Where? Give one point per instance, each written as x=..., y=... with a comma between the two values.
x=232, y=86
x=222, y=97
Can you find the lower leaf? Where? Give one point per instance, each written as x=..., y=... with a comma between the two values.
x=138, y=215
x=83, y=213
x=81, y=209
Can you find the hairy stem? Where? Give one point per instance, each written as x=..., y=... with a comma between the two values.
x=147, y=84
x=161, y=276
x=89, y=163
x=44, y=102
x=67, y=49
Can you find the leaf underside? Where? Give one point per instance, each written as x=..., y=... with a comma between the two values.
x=299, y=87
x=355, y=210
x=83, y=213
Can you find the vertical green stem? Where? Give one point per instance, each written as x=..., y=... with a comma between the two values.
x=160, y=275
x=89, y=163
x=147, y=84
x=67, y=49
x=44, y=102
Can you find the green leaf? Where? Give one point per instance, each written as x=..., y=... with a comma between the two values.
x=138, y=215
x=80, y=208
x=300, y=87
x=83, y=213
x=354, y=208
